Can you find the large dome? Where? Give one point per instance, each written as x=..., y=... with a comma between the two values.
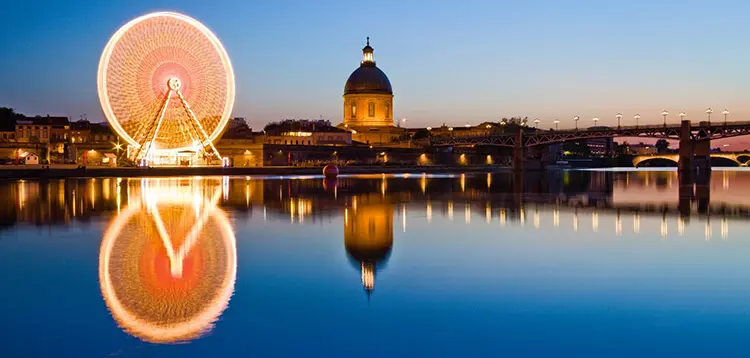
x=367, y=79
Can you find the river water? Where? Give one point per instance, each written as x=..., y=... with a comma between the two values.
x=570, y=263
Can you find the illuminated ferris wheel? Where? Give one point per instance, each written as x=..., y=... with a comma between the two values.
x=166, y=86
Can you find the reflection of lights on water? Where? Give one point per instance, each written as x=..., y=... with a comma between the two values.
x=680, y=226
x=346, y=216
x=299, y=208
x=423, y=183
x=575, y=221
x=502, y=216
x=595, y=221
x=708, y=230
x=119, y=200
x=186, y=302
x=403, y=217
x=556, y=217
x=463, y=182
x=536, y=219
x=450, y=210
x=725, y=180
x=488, y=212
x=489, y=180
x=467, y=213
x=429, y=211
x=523, y=216
x=724, y=228
x=618, y=224
x=637, y=223
x=368, y=275
x=265, y=216
x=664, y=227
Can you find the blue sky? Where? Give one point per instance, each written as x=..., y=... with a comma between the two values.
x=448, y=61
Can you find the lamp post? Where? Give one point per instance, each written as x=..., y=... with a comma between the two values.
x=708, y=112
x=536, y=123
x=682, y=116
x=664, y=114
x=636, y=117
x=576, y=118
x=502, y=126
x=619, y=117
x=596, y=120
x=725, y=113
x=557, y=123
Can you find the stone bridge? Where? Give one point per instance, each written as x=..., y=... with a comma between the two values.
x=741, y=159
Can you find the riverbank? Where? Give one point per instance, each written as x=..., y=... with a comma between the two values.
x=20, y=172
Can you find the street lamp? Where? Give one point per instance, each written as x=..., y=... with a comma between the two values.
x=557, y=123
x=536, y=123
x=708, y=112
x=596, y=120
x=725, y=113
x=576, y=118
x=664, y=114
x=619, y=117
x=429, y=128
x=682, y=116
x=637, y=117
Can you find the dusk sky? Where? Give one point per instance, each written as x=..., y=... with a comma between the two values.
x=449, y=61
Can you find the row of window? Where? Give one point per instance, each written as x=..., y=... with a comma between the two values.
x=330, y=138
x=370, y=110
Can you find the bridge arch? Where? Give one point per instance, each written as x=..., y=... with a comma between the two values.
x=637, y=161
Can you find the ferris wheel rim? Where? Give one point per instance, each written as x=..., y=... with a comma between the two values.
x=104, y=60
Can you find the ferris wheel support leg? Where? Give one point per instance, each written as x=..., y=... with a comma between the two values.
x=159, y=121
x=200, y=126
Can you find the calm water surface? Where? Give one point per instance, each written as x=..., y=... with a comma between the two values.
x=580, y=263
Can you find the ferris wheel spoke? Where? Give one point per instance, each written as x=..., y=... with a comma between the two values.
x=200, y=126
x=156, y=123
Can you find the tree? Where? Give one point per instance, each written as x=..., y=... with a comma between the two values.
x=662, y=146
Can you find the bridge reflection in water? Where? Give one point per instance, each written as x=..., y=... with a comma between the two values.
x=167, y=263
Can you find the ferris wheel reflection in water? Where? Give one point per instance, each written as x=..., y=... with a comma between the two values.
x=168, y=261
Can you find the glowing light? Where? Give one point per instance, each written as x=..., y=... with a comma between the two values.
x=297, y=134
x=173, y=54
x=164, y=311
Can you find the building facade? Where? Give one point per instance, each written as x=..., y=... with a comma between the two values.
x=368, y=104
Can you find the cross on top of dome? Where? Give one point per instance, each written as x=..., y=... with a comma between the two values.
x=367, y=51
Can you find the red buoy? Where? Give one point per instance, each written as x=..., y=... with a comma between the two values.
x=330, y=171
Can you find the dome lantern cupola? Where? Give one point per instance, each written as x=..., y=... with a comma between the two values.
x=367, y=57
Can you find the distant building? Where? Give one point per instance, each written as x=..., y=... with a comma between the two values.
x=306, y=132
x=368, y=104
x=33, y=130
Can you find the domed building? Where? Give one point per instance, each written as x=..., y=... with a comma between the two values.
x=368, y=103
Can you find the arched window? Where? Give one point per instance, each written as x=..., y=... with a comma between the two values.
x=371, y=109
x=354, y=110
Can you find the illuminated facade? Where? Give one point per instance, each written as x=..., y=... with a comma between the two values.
x=166, y=86
x=368, y=103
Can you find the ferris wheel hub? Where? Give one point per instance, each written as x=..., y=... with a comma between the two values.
x=174, y=83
